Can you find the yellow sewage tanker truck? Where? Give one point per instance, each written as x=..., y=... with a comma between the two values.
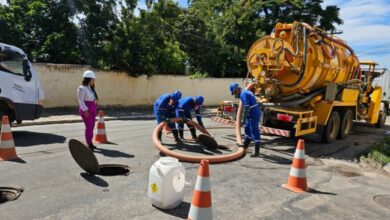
x=310, y=81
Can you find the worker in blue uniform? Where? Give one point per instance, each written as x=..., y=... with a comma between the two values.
x=165, y=109
x=185, y=107
x=250, y=117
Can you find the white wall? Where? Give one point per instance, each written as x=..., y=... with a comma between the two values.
x=60, y=82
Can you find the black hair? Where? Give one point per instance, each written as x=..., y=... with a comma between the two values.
x=86, y=82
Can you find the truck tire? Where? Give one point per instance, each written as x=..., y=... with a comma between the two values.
x=331, y=130
x=381, y=120
x=346, y=124
x=387, y=109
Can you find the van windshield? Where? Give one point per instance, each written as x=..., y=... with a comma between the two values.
x=11, y=62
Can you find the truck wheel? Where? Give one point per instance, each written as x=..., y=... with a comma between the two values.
x=381, y=120
x=346, y=124
x=331, y=130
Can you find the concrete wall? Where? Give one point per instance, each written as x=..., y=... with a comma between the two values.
x=60, y=82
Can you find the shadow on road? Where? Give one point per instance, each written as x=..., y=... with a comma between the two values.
x=197, y=148
x=17, y=160
x=94, y=179
x=314, y=191
x=27, y=138
x=109, y=143
x=112, y=153
x=276, y=159
x=181, y=211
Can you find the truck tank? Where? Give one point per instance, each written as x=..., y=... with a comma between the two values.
x=298, y=60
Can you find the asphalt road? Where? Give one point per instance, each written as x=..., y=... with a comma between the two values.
x=249, y=188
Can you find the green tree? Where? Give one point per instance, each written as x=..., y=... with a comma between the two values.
x=147, y=43
x=42, y=28
x=237, y=24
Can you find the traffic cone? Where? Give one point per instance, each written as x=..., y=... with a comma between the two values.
x=7, y=144
x=297, y=179
x=201, y=201
x=101, y=136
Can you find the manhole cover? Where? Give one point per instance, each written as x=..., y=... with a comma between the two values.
x=114, y=170
x=83, y=156
x=383, y=200
x=208, y=141
x=9, y=194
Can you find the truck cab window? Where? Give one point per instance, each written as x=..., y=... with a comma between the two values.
x=11, y=62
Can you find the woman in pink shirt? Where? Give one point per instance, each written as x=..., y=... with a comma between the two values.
x=88, y=105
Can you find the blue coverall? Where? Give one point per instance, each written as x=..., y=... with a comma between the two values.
x=186, y=105
x=252, y=131
x=163, y=111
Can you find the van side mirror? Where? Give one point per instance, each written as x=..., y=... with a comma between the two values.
x=26, y=70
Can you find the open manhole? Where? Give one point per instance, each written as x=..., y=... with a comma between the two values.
x=208, y=141
x=9, y=194
x=85, y=158
x=383, y=200
x=114, y=170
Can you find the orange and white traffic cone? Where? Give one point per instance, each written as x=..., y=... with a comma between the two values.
x=201, y=200
x=297, y=180
x=7, y=144
x=101, y=136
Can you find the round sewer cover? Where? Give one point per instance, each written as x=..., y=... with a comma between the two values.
x=9, y=193
x=208, y=141
x=383, y=200
x=83, y=156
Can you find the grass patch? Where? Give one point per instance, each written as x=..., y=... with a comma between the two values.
x=381, y=152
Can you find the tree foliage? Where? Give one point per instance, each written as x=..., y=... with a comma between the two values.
x=209, y=37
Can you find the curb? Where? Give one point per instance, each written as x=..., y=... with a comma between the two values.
x=66, y=121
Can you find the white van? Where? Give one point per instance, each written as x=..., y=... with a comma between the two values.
x=21, y=94
x=384, y=82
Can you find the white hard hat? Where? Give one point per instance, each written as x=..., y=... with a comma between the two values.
x=89, y=74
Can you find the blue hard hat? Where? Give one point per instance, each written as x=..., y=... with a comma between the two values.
x=233, y=86
x=176, y=95
x=199, y=100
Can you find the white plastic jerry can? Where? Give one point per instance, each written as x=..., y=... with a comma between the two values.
x=166, y=183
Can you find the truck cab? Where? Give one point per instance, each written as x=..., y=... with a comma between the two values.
x=21, y=93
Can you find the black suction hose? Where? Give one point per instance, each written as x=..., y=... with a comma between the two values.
x=303, y=64
x=295, y=102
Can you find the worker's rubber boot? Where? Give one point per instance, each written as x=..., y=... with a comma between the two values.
x=256, y=153
x=193, y=133
x=181, y=134
x=245, y=144
x=176, y=136
x=159, y=135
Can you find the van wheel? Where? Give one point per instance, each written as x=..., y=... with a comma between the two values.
x=331, y=130
x=346, y=124
x=381, y=120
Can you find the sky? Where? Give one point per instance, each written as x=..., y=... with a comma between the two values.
x=366, y=28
